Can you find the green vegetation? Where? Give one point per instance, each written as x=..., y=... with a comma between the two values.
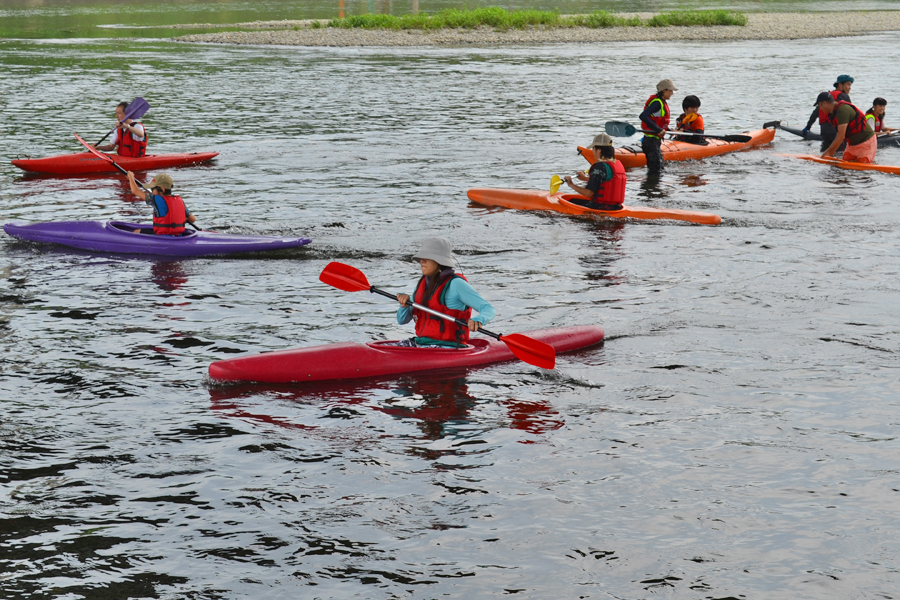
x=502, y=19
x=688, y=18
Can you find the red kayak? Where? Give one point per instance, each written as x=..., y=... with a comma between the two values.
x=85, y=162
x=351, y=360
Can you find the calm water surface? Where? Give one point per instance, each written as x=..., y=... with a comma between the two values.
x=735, y=437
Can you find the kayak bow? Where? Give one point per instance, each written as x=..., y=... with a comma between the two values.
x=559, y=202
x=350, y=360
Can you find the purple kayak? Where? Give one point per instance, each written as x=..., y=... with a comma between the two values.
x=120, y=238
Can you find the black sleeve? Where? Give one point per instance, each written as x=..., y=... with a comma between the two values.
x=647, y=122
x=813, y=117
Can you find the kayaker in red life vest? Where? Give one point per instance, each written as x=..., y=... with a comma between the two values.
x=690, y=121
x=605, y=189
x=875, y=117
x=170, y=215
x=850, y=123
x=131, y=137
x=656, y=118
x=841, y=91
x=443, y=290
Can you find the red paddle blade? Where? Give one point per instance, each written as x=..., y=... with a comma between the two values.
x=344, y=277
x=90, y=149
x=530, y=350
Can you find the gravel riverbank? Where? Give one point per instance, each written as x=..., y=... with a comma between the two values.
x=760, y=26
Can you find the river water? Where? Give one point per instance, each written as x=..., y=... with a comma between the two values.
x=735, y=436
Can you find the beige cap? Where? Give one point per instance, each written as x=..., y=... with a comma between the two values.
x=666, y=84
x=601, y=139
x=436, y=249
x=162, y=181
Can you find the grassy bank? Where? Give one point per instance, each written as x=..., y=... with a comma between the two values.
x=502, y=19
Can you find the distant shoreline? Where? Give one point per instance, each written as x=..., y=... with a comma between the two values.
x=760, y=26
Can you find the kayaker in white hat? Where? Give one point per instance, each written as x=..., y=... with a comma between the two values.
x=170, y=214
x=655, y=119
x=605, y=189
x=442, y=289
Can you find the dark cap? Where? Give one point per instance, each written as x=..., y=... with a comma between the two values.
x=823, y=97
x=843, y=79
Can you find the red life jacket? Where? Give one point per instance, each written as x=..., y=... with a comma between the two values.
x=856, y=125
x=128, y=146
x=823, y=117
x=663, y=120
x=175, y=219
x=435, y=327
x=613, y=190
x=875, y=119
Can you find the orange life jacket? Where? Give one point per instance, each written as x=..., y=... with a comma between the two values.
x=434, y=327
x=174, y=221
x=663, y=119
x=612, y=191
x=128, y=146
x=856, y=125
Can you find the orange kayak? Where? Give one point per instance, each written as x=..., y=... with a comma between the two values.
x=847, y=164
x=633, y=156
x=559, y=202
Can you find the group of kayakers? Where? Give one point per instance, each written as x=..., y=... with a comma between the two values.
x=170, y=214
x=440, y=287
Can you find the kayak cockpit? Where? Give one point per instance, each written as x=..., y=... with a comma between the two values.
x=474, y=346
x=145, y=229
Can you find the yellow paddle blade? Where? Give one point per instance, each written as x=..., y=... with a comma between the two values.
x=555, y=182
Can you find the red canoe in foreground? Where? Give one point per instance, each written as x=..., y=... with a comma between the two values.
x=560, y=202
x=351, y=360
x=85, y=162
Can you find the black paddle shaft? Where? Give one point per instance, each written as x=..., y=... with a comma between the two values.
x=375, y=290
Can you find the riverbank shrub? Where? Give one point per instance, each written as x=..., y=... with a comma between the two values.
x=502, y=19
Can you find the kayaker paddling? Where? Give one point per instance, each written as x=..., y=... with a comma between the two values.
x=850, y=124
x=656, y=118
x=170, y=214
x=131, y=137
x=828, y=132
x=441, y=289
x=605, y=189
x=875, y=117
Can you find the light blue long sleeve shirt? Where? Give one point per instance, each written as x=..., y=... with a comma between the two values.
x=460, y=295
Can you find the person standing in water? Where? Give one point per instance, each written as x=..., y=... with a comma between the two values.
x=655, y=119
x=875, y=117
x=441, y=289
x=850, y=124
x=841, y=92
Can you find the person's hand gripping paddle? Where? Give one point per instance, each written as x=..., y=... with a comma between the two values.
x=109, y=159
x=136, y=109
x=350, y=279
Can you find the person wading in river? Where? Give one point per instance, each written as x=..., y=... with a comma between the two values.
x=841, y=91
x=441, y=289
x=170, y=215
x=850, y=123
x=605, y=189
x=655, y=119
x=875, y=117
x=131, y=137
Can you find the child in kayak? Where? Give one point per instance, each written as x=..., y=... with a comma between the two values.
x=441, y=289
x=605, y=189
x=170, y=214
x=690, y=121
x=875, y=117
x=131, y=137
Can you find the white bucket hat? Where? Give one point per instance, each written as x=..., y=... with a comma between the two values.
x=436, y=249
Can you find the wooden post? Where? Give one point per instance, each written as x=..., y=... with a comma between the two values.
x=415, y=7
x=341, y=9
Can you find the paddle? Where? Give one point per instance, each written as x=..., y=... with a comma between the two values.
x=110, y=160
x=135, y=110
x=350, y=279
x=555, y=182
x=620, y=129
